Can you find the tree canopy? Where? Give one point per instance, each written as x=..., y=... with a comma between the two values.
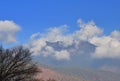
x=16, y=65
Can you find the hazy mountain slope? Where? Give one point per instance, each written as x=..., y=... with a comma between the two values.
x=52, y=74
x=90, y=74
x=77, y=74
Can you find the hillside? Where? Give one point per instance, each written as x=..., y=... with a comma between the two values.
x=90, y=74
x=52, y=74
x=77, y=74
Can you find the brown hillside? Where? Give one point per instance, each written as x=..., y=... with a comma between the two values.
x=50, y=74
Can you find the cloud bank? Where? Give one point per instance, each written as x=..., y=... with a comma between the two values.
x=106, y=46
x=8, y=30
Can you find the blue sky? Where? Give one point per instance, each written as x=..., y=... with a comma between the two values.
x=29, y=18
x=37, y=15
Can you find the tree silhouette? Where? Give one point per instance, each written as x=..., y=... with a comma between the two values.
x=16, y=65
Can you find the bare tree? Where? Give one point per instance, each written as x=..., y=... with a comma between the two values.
x=16, y=65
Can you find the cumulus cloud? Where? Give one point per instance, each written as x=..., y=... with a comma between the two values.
x=64, y=54
x=8, y=30
x=58, y=34
x=116, y=34
x=106, y=46
x=38, y=43
x=87, y=30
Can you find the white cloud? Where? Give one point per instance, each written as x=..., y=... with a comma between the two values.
x=87, y=30
x=116, y=34
x=35, y=36
x=107, y=46
x=48, y=51
x=39, y=47
x=8, y=30
x=58, y=34
x=62, y=55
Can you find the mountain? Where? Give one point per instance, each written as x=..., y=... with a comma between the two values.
x=48, y=73
x=90, y=74
x=77, y=74
x=80, y=56
x=81, y=66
